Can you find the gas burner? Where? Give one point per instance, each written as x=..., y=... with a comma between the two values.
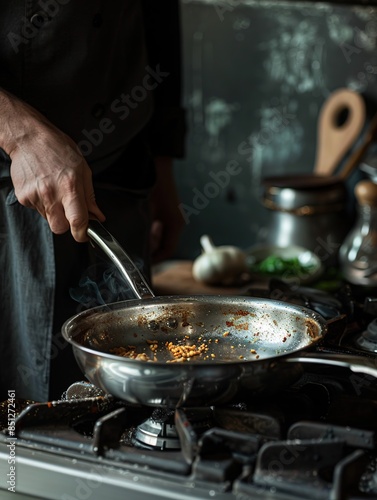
x=367, y=341
x=160, y=432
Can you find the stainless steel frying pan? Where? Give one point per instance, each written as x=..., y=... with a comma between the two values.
x=247, y=344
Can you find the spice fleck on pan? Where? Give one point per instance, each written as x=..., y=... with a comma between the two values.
x=312, y=328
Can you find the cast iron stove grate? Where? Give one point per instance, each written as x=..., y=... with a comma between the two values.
x=298, y=446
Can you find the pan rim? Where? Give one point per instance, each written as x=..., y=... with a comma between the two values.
x=175, y=299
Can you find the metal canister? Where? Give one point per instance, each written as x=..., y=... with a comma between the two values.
x=309, y=211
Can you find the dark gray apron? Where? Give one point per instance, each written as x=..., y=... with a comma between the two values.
x=26, y=295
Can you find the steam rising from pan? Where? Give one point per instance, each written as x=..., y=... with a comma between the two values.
x=102, y=284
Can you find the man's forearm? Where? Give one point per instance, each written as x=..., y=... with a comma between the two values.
x=19, y=121
x=13, y=126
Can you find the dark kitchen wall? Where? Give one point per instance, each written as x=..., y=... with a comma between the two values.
x=256, y=74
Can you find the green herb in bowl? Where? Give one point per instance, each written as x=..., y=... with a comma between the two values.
x=292, y=262
x=276, y=265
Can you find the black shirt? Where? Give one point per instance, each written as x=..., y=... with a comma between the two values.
x=99, y=70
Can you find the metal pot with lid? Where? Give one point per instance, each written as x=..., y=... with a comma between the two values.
x=308, y=211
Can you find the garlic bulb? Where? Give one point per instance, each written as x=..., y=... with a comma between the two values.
x=218, y=265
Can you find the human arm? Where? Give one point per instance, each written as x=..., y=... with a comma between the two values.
x=48, y=172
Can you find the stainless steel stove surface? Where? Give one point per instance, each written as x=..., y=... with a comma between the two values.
x=317, y=439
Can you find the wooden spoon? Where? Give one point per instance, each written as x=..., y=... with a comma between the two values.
x=340, y=123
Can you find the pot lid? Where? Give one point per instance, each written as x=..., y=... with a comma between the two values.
x=296, y=191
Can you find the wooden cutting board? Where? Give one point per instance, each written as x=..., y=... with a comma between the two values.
x=177, y=279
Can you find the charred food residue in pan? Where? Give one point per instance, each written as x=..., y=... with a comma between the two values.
x=174, y=336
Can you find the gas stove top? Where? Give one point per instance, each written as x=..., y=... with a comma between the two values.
x=316, y=439
x=318, y=436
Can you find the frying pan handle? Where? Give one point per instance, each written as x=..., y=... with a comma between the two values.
x=101, y=236
x=357, y=364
